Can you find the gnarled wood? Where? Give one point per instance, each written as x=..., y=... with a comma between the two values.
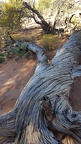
x=39, y=19
x=42, y=113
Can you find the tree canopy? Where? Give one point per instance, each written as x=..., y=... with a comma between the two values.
x=43, y=5
x=10, y=17
x=58, y=11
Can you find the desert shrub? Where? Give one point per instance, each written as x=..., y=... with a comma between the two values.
x=3, y=57
x=15, y=52
x=19, y=52
x=49, y=41
x=10, y=18
x=20, y=36
x=0, y=43
x=74, y=20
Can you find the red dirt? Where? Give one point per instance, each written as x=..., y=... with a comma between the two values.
x=13, y=77
x=75, y=95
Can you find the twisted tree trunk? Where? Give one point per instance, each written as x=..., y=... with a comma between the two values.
x=42, y=113
x=39, y=19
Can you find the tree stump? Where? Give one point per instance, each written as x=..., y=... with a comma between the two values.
x=43, y=113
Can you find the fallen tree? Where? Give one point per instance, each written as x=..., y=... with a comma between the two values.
x=42, y=113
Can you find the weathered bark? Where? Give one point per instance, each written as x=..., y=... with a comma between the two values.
x=42, y=113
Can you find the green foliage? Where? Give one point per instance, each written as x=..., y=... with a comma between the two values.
x=74, y=20
x=1, y=4
x=63, y=5
x=15, y=52
x=49, y=41
x=18, y=52
x=27, y=55
x=3, y=57
x=21, y=36
x=43, y=5
x=11, y=17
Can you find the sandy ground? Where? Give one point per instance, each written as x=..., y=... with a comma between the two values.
x=13, y=77
x=75, y=95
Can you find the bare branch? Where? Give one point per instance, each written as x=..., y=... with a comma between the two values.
x=44, y=24
x=26, y=5
x=42, y=58
x=71, y=18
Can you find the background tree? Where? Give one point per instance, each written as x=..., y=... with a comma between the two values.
x=60, y=14
x=10, y=18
